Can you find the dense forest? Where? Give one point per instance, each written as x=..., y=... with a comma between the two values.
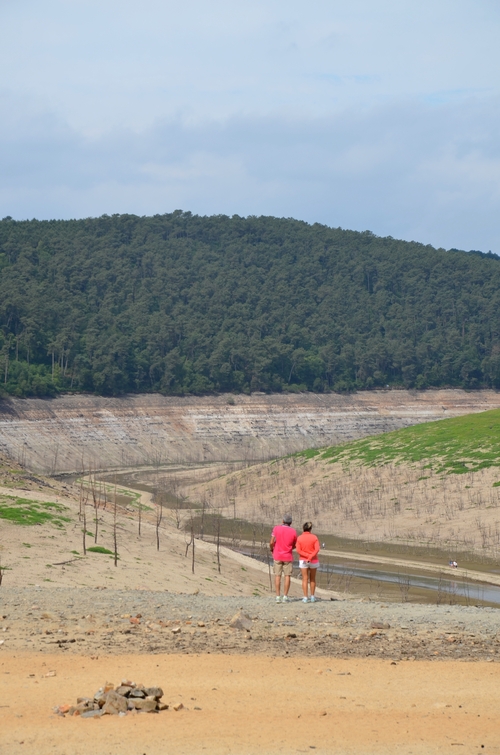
x=183, y=304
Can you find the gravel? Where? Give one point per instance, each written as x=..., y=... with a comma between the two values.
x=97, y=622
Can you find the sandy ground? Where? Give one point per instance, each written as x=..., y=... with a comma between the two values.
x=50, y=556
x=253, y=706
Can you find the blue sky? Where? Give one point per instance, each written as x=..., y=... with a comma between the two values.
x=366, y=115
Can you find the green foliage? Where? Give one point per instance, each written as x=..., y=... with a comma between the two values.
x=25, y=512
x=454, y=446
x=185, y=304
x=100, y=549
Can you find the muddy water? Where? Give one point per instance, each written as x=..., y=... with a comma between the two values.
x=375, y=581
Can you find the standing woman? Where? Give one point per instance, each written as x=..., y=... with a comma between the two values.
x=308, y=549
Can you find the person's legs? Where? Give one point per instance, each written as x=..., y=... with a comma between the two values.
x=277, y=584
x=312, y=578
x=287, y=571
x=304, y=581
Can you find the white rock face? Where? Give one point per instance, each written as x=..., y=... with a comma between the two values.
x=56, y=435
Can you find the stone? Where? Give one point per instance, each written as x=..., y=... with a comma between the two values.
x=155, y=627
x=155, y=692
x=63, y=709
x=77, y=710
x=178, y=706
x=380, y=625
x=176, y=630
x=242, y=621
x=114, y=704
x=162, y=706
x=97, y=713
x=145, y=705
x=50, y=673
x=137, y=693
x=135, y=620
x=124, y=690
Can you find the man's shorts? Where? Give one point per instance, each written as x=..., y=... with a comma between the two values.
x=283, y=567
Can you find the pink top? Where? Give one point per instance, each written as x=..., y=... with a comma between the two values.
x=286, y=537
x=308, y=547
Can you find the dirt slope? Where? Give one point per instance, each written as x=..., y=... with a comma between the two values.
x=56, y=435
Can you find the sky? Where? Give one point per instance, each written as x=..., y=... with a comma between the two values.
x=369, y=115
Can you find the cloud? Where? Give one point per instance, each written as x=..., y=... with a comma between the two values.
x=405, y=169
x=365, y=115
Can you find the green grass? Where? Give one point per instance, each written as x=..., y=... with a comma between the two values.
x=454, y=446
x=25, y=512
x=100, y=549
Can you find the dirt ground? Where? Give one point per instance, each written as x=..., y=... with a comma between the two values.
x=352, y=678
x=250, y=706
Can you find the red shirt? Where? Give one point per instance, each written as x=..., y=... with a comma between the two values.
x=285, y=537
x=308, y=547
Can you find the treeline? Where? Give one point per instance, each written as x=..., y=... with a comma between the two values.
x=183, y=304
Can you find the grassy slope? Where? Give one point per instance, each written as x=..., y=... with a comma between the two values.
x=457, y=445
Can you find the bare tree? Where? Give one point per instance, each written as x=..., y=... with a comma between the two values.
x=114, y=529
x=92, y=481
x=84, y=530
x=191, y=543
x=159, y=517
x=217, y=532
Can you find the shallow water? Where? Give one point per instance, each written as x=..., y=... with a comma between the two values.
x=382, y=584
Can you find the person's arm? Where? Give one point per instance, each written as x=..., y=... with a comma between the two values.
x=297, y=546
x=272, y=543
x=316, y=550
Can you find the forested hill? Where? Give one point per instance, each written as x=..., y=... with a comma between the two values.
x=184, y=304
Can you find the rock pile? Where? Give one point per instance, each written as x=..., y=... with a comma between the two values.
x=127, y=698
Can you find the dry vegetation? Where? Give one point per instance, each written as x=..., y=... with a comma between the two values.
x=381, y=499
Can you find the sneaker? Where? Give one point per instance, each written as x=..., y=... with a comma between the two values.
x=278, y=599
x=305, y=600
x=285, y=599
x=313, y=599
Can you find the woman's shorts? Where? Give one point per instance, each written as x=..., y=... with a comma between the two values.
x=283, y=567
x=307, y=564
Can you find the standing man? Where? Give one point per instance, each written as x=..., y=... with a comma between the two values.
x=282, y=543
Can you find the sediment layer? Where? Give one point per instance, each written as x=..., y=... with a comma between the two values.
x=62, y=434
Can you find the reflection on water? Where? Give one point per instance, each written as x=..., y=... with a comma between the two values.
x=449, y=588
x=382, y=584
